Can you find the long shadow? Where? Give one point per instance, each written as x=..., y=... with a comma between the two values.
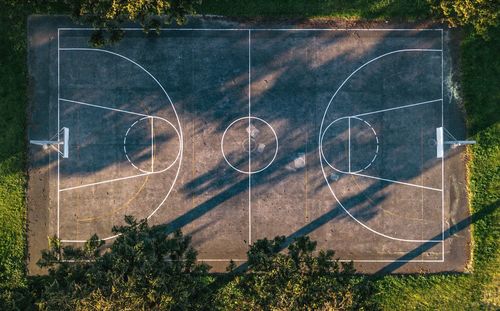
x=195, y=97
x=231, y=186
x=465, y=223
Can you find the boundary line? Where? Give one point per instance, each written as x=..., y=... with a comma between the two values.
x=442, y=158
x=265, y=29
x=249, y=137
x=278, y=29
x=58, y=135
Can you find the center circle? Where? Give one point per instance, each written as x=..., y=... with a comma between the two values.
x=349, y=145
x=249, y=145
x=152, y=144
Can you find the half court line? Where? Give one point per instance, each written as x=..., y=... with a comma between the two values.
x=399, y=107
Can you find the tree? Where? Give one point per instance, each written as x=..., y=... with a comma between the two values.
x=482, y=15
x=295, y=280
x=147, y=269
x=144, y=269
x=107, y=16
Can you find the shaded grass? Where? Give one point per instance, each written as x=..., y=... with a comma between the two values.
x=12, y=147
x=381, y=9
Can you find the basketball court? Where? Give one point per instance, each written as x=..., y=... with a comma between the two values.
x=235, y=133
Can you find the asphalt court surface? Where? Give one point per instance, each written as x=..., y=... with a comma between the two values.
x=242, y=133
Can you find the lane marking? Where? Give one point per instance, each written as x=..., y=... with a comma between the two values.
x=395, y=181
x=104, y=107
x=106, y=181
x=399, y=107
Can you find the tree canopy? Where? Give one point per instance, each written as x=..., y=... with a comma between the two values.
x=148, y=269
x=108, y=16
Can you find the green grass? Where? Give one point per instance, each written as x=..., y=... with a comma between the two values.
x=480, y=289
x=480, y=80
x=12, y=150
x=381, y=9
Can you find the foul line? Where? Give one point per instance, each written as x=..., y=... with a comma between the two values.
x=104, y=107
x=399, y=107
x=396, y=182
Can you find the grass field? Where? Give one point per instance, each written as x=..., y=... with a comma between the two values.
x=480, y=74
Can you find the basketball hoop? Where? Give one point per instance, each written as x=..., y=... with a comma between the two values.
x=440, y=142
x=55, y=142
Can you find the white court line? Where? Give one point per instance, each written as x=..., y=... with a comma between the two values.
x=176, y=115
x=249, y=137
x=442, y=158
x=349, y=147
x=107, y=181
x=58, y=138
x=267, y=29
x=223, y=260
x=389, y=260
x=104, y=107
x=320, y=145
x=152, y=145
x=395, y=181
x=399, y=107
x=381, y=29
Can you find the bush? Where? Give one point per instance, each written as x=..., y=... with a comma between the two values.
x=144, y=269
x=482, y=15
x=296, y=280
x=108, y=16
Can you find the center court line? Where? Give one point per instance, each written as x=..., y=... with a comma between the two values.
x=104, y=107
x=395, y=181
x=399, y=107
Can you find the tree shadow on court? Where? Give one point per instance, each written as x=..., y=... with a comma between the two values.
x=293, y=78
